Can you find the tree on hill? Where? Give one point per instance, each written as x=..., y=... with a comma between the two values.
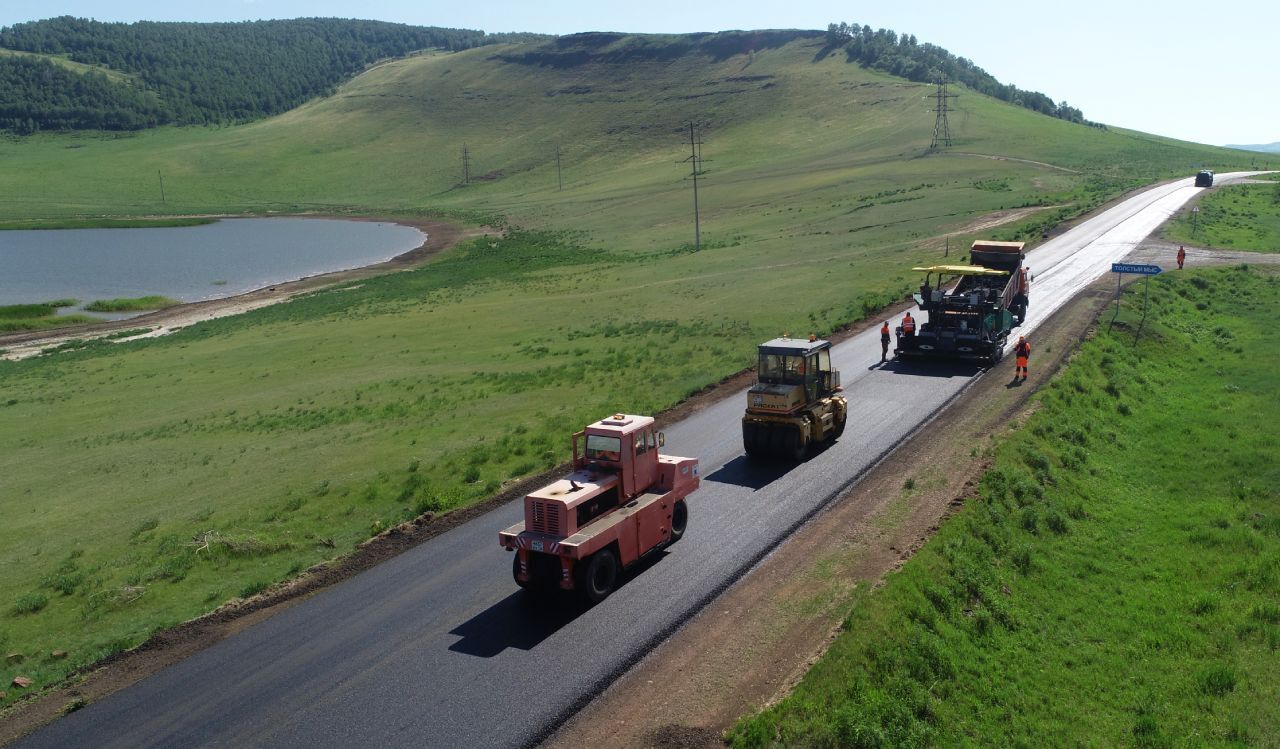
x=904, y=56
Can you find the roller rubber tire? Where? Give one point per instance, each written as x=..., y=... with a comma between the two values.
x=679, y=521
x=598, y=576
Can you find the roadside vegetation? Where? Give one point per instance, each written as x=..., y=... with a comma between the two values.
x=238, y=452
x=136, y=304
x=18, y=317
x=1115, y=583
x=1237, y=217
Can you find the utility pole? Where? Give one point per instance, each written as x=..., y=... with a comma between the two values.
x=161, y=176
x=466, y=165
x=695, y=157
x=559, y=178
x=941, y=128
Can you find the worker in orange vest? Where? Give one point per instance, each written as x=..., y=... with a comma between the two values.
x=1023, y=352
x=884, y=341
x=908, y=325
x=1182, y=256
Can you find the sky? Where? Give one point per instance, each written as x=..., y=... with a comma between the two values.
x=1196, y=71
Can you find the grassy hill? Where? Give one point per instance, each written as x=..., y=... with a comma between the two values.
x=287, y=435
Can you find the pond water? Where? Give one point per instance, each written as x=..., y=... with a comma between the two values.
x=188, y=263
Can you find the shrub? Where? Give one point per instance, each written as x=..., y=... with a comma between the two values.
x=145, y=526
x=1056, y=521
x=253, y=589
x=1217, y=680
x=29, y=603
x=1022, y=559
x=1030, y=520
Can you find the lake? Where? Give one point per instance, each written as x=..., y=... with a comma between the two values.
x=189, y=263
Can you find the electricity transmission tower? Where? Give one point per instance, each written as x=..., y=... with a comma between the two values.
x=559, y=179
x=695, y=158
x=466, y=164
x=941, y=128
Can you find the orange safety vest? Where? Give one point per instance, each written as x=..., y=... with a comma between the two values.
x=1022, y=350
x=884, y=332
x=908, y=324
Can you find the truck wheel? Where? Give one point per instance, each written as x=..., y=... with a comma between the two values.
x=679, y=521
x=515, y=571
x=597, y=577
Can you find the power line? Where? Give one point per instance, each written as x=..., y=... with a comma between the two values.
x=941, y=128
x=695, y=157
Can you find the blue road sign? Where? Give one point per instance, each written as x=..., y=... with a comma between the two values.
x=1140, y=270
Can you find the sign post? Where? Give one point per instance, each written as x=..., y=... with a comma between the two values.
x=1140, y=270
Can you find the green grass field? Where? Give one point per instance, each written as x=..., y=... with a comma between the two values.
x=146, y=482
x=1238, y=217
x=1117, y=581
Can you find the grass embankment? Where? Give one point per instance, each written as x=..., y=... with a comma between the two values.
x=1116, y=583
x=15, y=317
x=1237, y=217
x=137, y=304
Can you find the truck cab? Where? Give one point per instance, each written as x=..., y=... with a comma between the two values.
x=622, y=501
x=1204, y=178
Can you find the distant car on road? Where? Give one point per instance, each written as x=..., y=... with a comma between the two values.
x=1204, y=178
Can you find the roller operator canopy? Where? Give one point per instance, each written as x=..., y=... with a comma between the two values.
x=792, y=346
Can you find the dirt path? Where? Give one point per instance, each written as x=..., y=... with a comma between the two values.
x=440, y=237
x=751, y=646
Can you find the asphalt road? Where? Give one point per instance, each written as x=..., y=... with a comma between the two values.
x=438, y=648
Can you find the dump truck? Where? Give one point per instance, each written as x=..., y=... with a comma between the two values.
x=1204, y=178
x=622, y=502
x=796, y=401
x=972, y=308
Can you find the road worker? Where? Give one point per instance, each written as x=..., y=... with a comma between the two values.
x=908, y=325
x=1182, y=256
x=1023, y=352
x=884, y=341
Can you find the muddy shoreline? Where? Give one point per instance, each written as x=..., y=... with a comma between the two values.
x=440, y=236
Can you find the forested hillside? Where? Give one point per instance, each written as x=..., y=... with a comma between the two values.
x=194, y=73
x=905, y=56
